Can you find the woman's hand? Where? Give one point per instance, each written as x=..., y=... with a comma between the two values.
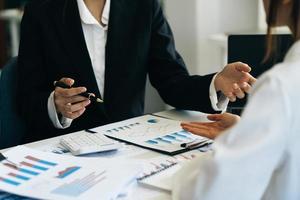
x=234, y=80
x=68, y=102
x=221, y=122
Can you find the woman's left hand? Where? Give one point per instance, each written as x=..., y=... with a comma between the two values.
x=221, y=122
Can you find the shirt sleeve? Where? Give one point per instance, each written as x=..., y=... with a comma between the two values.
x=218, y=103
x=245, y=157
x=62, y=123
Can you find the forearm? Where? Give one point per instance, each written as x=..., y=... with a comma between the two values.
x=60, y=123
x=187, y=92
x=219, y=101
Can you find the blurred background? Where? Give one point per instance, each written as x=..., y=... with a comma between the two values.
x=10, y=17
x=201, y=29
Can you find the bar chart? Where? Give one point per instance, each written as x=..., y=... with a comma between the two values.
x=68, y=171
x=20, y=169
x=8, y=181
x=157, y=165
x=42, y=175
x=79, y=186
x=172, y=138
x=25, y=170
x=155, y=133
x=21, y=177
x=45, y=162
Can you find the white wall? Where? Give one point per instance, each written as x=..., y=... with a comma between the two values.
x=194, y=22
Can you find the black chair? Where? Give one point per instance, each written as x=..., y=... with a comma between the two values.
x=12, y=128
x=251, y=49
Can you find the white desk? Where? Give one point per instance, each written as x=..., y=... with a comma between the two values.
x=135, y=191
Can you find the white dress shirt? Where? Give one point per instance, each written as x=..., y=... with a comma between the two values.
x=259, y=158
x=95, y=37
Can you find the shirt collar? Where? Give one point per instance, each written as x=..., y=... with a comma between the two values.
x=294, y=53
x=88, y=18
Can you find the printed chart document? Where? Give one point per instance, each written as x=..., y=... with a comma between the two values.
x=152, y=132
x=158, y=172
x=42, y=175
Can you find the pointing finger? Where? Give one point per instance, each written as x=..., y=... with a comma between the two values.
x=252, y=80
x=242, y=67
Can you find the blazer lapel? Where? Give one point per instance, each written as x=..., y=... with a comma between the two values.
x=75, y=45
x=115, y=36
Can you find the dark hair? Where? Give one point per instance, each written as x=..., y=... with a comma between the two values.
x=271, y=21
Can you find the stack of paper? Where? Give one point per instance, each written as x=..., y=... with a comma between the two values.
x=42, y=175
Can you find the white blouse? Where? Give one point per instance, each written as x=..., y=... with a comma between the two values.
x=259, y=158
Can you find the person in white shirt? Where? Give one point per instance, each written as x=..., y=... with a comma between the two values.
x=257, y=156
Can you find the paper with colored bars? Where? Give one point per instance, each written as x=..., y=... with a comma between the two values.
x=158, y=172
x=43, y=175
x=156, y=133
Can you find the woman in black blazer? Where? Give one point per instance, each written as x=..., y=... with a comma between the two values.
x=139, y=43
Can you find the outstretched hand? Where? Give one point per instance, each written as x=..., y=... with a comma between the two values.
x=221, y=122
x=234, y=81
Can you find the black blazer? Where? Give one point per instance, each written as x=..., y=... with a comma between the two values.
x=139, y=42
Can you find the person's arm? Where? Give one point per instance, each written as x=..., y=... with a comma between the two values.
x=168, y=74
x=245, y=157
x=167, y=71
x=219, y=101
x=39, y=107
x=58, y=122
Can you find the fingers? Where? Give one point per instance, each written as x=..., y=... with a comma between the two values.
x=69, y=92
x=75, y=99
x=198, y=131
x=231, y=97
x=203, y=125
x=68, y=102
x=238, y=91
x=62, y=101
x=245, y=87
x=242, y=67
x=215, y=117
x=72, y=111
x=70, y=108
x=68, y=81
x=74, y=115
x=252, y=80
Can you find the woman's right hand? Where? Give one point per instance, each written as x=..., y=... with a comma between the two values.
x=221, y=122
x=68, y=103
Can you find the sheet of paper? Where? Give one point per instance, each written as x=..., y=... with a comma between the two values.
x=50, y=176
x=158, y=172
x=53, y=147
x=150, y=131
x=183, y=115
